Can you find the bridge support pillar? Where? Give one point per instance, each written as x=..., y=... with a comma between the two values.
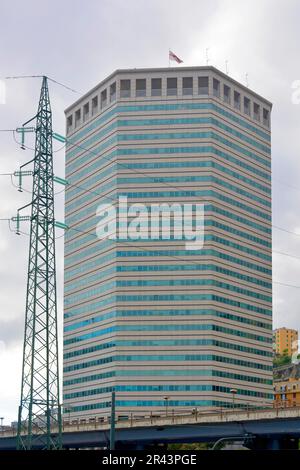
x=272, y=443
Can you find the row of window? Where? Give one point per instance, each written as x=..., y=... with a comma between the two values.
x=159, y=109
x=161, y=403
x=167, y=372
x=74, y=201
x=167, y=342
x=287, y=388
x=164, y=388
x=90, y=210
x=143, y=235
x=169, y=358
x=187, y=86
x=164, y=313
x=207, y=208
x=82, y=166
x=75, y=298
x=112, y=299
x=91, y=223
x=74, y=244
x=79, y=200
x=161, y=328
x=91, y=250
x=96, y=262
x=97, y=136
x=101, y=274
x=148, y=250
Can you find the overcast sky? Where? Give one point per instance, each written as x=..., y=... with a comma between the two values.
x=79, y=43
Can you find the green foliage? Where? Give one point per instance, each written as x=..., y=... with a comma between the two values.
x=282, y=359
x=194, y=446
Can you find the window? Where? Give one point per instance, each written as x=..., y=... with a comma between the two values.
x=171, y=86
x=69, y=122
x=256, y=111
x=227, y=93
x=94, y=105
x=247, y=106
x=237, y=100
x=156, y=87
x=103, y=98
x=187, y=85
x=86, y=111
x=216, y=88
x=125, y=89
x=77, y=117
x=203, y=85
x=112, y=92
x=140, y=87
x=266, y=117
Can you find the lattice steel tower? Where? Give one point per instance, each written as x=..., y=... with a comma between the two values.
x=39, y=410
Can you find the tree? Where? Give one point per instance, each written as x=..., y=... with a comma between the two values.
x=282, y=359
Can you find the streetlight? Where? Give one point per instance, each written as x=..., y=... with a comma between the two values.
x=167, y=404
x=234, y=392
x=112, y=421
x=68, y=410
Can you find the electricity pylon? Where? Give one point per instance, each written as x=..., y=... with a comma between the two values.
x=39, y=419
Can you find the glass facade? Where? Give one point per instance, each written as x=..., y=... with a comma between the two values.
x=146, y=317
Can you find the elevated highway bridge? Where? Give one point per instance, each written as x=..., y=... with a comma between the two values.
x=258, y=429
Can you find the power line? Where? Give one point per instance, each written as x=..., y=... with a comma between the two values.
x=42, y=76
x=285, y=230
x=69, y=142
x=120, y=164
x=286, y=285
x=22, y=144
x=114, y=200
x=84, y=189
x=22, y=76
x=285, y=254
x=286, y=184
x=176, y=187
x=170, y=256
x=63, y=85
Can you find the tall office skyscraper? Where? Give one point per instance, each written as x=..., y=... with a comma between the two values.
x=165, y=326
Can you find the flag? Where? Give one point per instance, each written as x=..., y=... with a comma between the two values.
x=174, y=57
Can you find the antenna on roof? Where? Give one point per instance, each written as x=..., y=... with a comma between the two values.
x=226, y=66
x=247, y=82
x=206, y=54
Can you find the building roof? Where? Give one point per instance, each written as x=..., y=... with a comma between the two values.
x=167, y=70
